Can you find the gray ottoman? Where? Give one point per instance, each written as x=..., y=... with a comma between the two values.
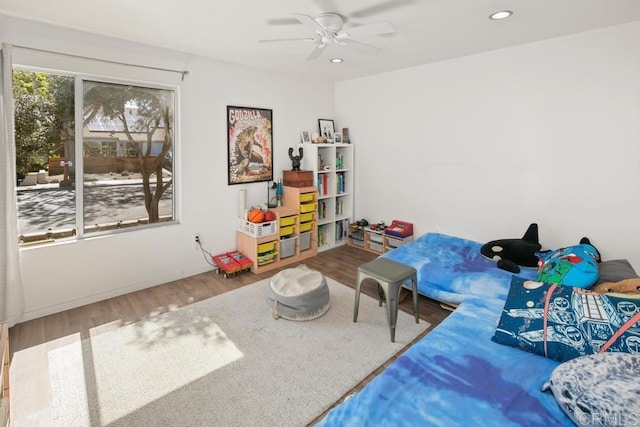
x=298, y=294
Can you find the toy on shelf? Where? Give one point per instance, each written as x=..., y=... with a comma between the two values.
x=399, y=229
x=232, y=263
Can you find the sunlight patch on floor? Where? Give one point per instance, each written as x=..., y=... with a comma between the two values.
x=101, y=380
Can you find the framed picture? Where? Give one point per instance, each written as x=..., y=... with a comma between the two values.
x=305, y=137
x=326, y=129
x=337, y=138
x=249, y=144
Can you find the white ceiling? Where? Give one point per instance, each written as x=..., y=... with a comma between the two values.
x=427, y=30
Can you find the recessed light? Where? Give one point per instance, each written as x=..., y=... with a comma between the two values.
x=501, y=15
x=336, y=60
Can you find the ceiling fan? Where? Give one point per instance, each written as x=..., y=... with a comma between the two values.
x=328, y=30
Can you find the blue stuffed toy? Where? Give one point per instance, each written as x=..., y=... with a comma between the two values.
x=575, y=266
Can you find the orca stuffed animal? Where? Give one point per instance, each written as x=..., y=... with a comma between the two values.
x=511, y=253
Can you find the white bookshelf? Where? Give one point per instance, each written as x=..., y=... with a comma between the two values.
x=333, y=175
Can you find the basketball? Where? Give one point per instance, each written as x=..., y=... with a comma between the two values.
x=255, y=215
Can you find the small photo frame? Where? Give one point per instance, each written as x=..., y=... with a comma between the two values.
x=305, y=137
x=326, y=129
x=345, y=135
x=337, y=137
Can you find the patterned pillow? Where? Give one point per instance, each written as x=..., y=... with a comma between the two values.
x=572, y=266
x=561, y=323
x=599, y=389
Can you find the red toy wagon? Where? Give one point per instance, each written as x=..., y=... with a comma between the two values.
x=232, y=263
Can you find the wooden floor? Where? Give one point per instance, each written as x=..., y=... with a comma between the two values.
x=340, y=264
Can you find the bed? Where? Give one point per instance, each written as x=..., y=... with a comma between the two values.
x=457, y=376
x=460, y=375
x=451, y=269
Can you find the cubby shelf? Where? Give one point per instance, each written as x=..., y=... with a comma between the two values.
x=333, y=175
x=295, y=237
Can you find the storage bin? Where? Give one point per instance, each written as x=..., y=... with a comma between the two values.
x=288, y=247
x=287, y=220
x=306, y=197
x=357, y=235
x=356, y=242
x=394, y=243
x=266, y=247
x=374, y=237
x=305, y=241
x=307, y=207
x=375, y=247
x=267, y=258
x=306, y=226
x=257, y=229
x=306, y=217
x=285, y=231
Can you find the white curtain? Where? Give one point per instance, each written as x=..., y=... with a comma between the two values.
x=11, y=293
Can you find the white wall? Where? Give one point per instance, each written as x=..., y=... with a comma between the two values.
x=481, y=146
x=70, y=274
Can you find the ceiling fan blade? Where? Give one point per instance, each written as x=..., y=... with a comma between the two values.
x=309, y=22
x=306, y=39
x=283, y=21
x=316, y=52
x=363, y=47
x=382, y=27
x=380, y=7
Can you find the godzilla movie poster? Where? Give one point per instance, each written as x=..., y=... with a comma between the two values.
x=249, y=144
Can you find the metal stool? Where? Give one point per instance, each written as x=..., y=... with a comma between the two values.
x=390, y=276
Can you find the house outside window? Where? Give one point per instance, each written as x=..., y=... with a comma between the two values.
x=99, y=164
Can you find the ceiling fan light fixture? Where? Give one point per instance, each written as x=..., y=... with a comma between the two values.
x=336, y=60
x=503, y=14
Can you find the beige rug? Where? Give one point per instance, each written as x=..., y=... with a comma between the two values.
x=223, y=362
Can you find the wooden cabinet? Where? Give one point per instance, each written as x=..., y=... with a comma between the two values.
x=4, y=375
x=287, y=245
x=333, y=175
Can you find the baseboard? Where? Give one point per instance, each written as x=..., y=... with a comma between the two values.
x=101, y=296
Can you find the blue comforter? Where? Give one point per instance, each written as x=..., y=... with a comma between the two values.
x=457, y=376
x=451, y=268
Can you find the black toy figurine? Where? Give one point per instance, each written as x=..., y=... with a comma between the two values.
x=295, y=160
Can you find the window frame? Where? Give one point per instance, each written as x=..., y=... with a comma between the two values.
x=79, y=79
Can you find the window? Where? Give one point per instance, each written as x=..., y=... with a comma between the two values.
x=117, y=173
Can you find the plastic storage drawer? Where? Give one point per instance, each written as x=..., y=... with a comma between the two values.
x=375, y=247
x=305, y=241
x=306, y=217
x=306, y=197
x=307, y=226
x=286, y=231
x=287, y=220
x=266, y=247
x=375, y=237
x=307, y=207
x=288, y=247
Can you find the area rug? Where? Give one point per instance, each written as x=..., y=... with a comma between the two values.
x=224, y=361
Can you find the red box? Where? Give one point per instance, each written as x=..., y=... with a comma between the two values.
x=399, y=229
